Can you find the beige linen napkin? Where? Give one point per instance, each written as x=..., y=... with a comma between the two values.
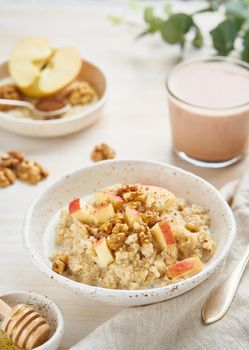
x=176, y=324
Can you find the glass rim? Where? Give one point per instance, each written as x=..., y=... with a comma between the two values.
x=188, y=62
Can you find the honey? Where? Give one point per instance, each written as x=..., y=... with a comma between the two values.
x=6, y=343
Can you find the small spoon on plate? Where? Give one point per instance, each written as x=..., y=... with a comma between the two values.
x=36, y=108
x=24, y=326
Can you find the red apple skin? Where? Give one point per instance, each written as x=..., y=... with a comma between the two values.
x=166, y=230
x=74, y=205
x=98, y=242
x=192, y=265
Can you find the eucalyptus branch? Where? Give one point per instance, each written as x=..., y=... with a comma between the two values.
x=175, y=27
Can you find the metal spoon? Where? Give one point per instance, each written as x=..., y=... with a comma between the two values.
x=220, y=300
x=38, y=112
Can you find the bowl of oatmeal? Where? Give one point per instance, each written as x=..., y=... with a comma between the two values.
x=129, y=232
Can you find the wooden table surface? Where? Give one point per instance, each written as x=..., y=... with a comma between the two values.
x=134, y=121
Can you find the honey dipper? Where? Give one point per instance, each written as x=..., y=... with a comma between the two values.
x=24, y=326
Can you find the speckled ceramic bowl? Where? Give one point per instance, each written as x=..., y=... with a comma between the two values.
x=91, y=179
x=47, y=308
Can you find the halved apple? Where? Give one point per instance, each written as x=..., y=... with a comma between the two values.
x=109, y=197
x=103, y=252
x=103, y=214
x=132, y=215
x=81, y=211
x=39, y=70
x=163, y=234
x=185, y=268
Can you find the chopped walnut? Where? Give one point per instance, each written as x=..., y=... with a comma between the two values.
x=82, y=93
x=143, y=238
x=116, y=240
x=10, y=159
x=60, y=263
x=150, y=217
x=134, y=196
x=137, y=227
x=30, y=172
x=120, y=228
x=7, y=177
x=9, y=92
x=102, y=152
x=125, y=189
x=106, y=228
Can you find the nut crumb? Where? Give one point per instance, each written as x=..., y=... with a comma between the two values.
x=102, y=152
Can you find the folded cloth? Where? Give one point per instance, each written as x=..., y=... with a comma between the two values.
x=176, y=324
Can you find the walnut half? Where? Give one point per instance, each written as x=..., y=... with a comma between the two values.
x=30, y=172
x=10, y=159
x=7, y=177
x=102, y=152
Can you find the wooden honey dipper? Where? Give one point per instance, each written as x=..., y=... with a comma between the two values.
x=24, y=326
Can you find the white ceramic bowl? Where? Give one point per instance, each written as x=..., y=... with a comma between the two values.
x=47, y=308
x=91, y=179
x=63, y=126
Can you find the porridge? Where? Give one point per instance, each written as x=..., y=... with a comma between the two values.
x=132, y=237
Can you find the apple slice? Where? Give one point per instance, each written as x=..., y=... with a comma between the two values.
x=103, y=252
x=185, y=268
x=109, y=197
x=163, y=234
x=103, y=214
x=81, y=211
x=160, y=197
x=132, y=215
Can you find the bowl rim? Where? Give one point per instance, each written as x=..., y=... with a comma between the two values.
x=100, y=291
x=78, y=116
x=47, y=301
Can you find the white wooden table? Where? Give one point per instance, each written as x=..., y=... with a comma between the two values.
x=134, y=122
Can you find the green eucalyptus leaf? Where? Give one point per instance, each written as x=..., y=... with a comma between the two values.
x=245, y=51
x=198, y=38
x=148, y=14
x=174, y=29
x=224, y=36
x=155, y=23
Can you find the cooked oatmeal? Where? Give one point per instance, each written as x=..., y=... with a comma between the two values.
x=132, y=237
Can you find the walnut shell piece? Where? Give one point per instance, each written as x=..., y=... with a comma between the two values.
x=7, y=177
x=9, y=92
x=102, y=152
x=30, y=172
